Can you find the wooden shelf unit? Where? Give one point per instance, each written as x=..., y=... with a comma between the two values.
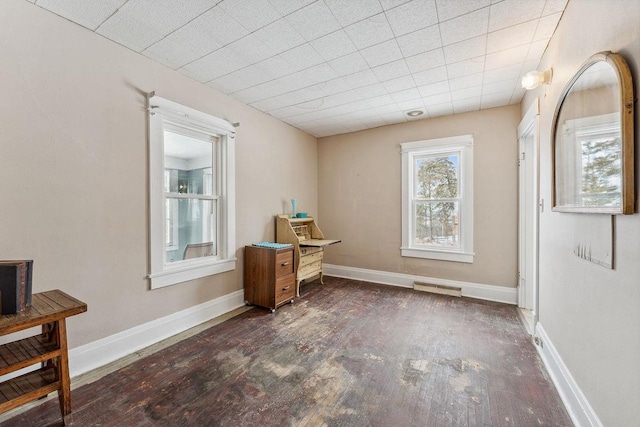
x=48, y=310
x=269, y=279
x=308, y=243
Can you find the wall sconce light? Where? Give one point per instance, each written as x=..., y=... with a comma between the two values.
x=533, y=79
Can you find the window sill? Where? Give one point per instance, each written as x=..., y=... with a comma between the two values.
x=438, y=255
x=183, y=274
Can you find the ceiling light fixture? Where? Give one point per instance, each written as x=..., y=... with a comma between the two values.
x=533, y=79
x=414, y=113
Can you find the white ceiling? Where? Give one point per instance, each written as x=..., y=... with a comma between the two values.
x=337, y=66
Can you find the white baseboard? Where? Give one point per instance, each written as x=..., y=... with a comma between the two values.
x=106, y=350
x=580, y=411
x=472, y=290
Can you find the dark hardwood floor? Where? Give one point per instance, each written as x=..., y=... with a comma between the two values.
x=346, y=353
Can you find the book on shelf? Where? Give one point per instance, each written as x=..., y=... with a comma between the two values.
x=15, y=285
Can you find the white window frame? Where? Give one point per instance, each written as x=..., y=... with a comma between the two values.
x=161, y=112
x=463, y=146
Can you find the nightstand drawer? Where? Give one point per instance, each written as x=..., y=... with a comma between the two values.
x=309, y=270
x=285, y=288
x=284, y=263
x=310, y=259
x=309, y=250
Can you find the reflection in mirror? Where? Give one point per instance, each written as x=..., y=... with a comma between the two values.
x=189, y=186
x=592, y=163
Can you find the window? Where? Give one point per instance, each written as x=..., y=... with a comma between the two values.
x=437, y=199
x=192, y=200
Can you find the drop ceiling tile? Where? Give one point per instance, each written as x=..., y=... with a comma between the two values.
x=363, y=78
x=316, y=74
x=467, y=49
x=547, y=26
x=513, y=36
x=388, y=108
x=286, y=7
x=88, y=13
x=217, y=64
x=372, y=91
x=470, y=92
x=497, y=87
x=252, y=49
x=434, y=89
x=466, y=105
x=425, y=61
x=413, y=104
x=405, y=95
x=438, y=110
x=279, y=36
x=465, y=68
x=466, y=81
x=448, y=9
x=504, y=58
x=370, y=31
x=505, y=73
x=420, y=41
x=301, y=57
x=496, y=100
x=267, y=105
x=205, y=34
x=436, y=99
x=379, y=101
x=514, y=12
x=391, y=70
x=349, y=64
x=412, y=16
x=276, y=67
x=401, y=83
x=465, y=27
x=390, y=4
x=382, y=53
x=554, y=6
x=138, y=25
x=333, y=45
x=430, y=76
x=313, y=21
x=333, y=86
x=349, y=12
x=241, y=79
x=251, y=14
x=536, y=50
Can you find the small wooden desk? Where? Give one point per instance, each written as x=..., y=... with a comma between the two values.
x=49, y=310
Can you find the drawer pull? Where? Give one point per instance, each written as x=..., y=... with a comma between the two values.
x=285, y=288
x=285, y=263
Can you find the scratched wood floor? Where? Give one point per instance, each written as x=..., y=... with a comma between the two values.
x=346, y=353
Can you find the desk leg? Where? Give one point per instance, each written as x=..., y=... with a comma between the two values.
x=64, y=394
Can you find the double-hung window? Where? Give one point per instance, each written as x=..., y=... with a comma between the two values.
x=192, y=200
x=437, y=199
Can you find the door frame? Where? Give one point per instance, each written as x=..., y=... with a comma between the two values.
x=530, y=123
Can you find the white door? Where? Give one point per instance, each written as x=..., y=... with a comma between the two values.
x=528, y=211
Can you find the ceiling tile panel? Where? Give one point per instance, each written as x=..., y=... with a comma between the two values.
x=412, y=16
x=504, y=58
x=495, y=100
x=313, y=21
x=382, y=53
x=379, y=101
x=279, y=36
x=420, y=41
x=286, y=7
x=509, y=37
x=434, y=89
x=401, y=83
x=139, y=24
x=467, y=49
x=444, y=109
x=349, y=64
x=88, y=13
x=504, y=73
x=466, y=81
x=301, y=57
x=513, y=12
x=436, y=99
x=465, y=27
x=430, y=76
x=390, y=4
x=363, y=78
x=554, y=6
x=547, y=26
x=536, y=49
x=465, y=68
x=391, y=70
x=333, y=45
x=349, y=12
x=405, y=95
x=217, y=64
x=470, y=92
x=252, y=14
x=497, y=87
x=267, y=105
x=372, y=91
x=425, y=61
x=466, y=105
x=449, y=9
x=370, y=31
x=413, y=104
x=252, y=49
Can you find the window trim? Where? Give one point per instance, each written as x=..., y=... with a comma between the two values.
x=410, y=150
x=160, y=111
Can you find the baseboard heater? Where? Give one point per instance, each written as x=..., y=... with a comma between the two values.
x=437, y=289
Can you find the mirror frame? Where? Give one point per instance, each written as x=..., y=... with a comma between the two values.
x=621, y=69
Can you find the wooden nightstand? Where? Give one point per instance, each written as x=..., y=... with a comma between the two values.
x=269, y=276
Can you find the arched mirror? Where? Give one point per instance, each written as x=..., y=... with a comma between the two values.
x=592, y=140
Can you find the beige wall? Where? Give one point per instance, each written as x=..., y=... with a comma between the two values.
x=591, y=314
x=73, y=162
x=359, y=196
